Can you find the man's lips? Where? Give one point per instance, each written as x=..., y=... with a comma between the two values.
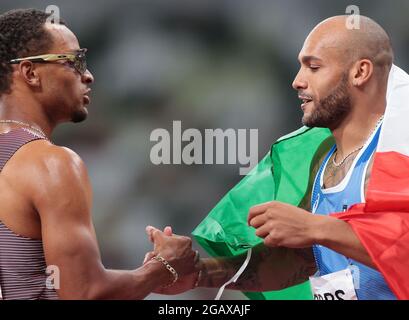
x=86, y=98
x=305, y=101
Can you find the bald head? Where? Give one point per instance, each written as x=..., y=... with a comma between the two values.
x=370, y=41
x=343, y=70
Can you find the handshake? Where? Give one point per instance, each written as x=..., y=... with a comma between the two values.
x=177, y=259
x=282, y=227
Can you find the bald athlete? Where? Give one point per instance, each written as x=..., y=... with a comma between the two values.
x=342, y=83
x=46, y=196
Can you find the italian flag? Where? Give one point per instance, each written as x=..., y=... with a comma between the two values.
x=286, y=175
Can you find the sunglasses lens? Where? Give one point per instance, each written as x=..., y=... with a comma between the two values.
x=80, y=63
x=81, y=66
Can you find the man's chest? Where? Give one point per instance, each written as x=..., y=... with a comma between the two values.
x=334, y=174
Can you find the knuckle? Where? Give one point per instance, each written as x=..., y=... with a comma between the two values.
x=273, y=236
x=188, y=240
x=273, y=204
x=271, y=242
x=268, y=242
x=156, y=234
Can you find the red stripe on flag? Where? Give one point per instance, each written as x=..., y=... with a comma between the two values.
x=388, y=187
x=382, y=224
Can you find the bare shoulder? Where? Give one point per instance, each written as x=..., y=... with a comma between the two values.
x=47, y=159
x=43, y=150
x=41, y=169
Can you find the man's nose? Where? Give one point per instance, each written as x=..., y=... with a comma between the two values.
x=299, y=83
x=87, y=77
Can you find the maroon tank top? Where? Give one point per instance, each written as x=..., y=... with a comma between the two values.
x=22, y=262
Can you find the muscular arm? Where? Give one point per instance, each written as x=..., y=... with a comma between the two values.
x=62, y=197
x=269, y=269
x=339, y=236
x=284, y=225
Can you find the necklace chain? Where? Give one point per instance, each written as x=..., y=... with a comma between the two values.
x=35, y=129
x=337, y=165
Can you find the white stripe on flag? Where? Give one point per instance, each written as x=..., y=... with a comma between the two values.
x=395, y=128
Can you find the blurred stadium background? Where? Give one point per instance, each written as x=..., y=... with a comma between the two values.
x=211, y=64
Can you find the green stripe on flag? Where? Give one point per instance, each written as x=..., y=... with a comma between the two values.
x=285, y=174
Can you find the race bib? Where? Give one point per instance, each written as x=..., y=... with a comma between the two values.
x=335, y=286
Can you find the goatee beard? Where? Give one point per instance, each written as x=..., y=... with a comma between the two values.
x=333, y=109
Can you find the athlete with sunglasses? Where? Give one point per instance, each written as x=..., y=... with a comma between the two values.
x=48, y=244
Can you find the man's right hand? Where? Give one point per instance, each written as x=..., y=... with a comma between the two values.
x=176, y=250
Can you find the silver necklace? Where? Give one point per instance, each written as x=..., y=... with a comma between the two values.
x=36, y=130
x=337, y=165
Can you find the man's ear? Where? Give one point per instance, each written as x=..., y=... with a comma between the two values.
x=29, y=73
x=362, y=72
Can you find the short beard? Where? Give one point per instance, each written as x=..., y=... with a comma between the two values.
x=333, y=109
x=79, y=116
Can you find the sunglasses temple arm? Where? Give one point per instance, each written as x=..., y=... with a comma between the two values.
x=38, y=60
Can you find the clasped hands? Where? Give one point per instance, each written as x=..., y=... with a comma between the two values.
x=178, y=253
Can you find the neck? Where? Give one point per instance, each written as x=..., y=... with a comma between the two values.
x=355, y=130
x=27, y=111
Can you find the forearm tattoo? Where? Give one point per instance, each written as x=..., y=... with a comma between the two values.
x=269, y=269
x=305, y=269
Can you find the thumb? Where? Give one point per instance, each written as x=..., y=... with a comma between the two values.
x=148, y=256
x=152, y=232
x=168, y=231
